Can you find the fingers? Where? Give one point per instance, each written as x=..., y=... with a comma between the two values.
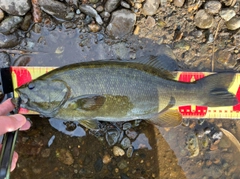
x=25, y=126
x=14, y=161
x=12, y=123
x=6, y=107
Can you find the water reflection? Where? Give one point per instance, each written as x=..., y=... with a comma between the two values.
x=61, y=126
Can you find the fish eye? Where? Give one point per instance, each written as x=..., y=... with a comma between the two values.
x=31, y=86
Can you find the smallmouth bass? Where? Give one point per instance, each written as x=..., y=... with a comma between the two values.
x=121, y=91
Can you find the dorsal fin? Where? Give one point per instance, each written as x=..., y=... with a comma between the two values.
x=164, y=65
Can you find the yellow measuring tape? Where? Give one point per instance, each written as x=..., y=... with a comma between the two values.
x=22, y=75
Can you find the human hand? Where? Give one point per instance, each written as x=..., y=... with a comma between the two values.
x=11, y=123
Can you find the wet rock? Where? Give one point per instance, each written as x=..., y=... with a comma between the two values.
x=125, y=4
x=129, y=152
x=214, y=171
x=122, y=164
x=126, y=126
x=1, y=15
x=98, y=165
x=150, y=22
x=117, y=151
x=91, y=12
x=99, y=8
x=56, y=9
x=15, y=7
x=121, y=23
x=94, y=28
x=111, y=5
x=229, y=2
x=112, y=136
x=10, y=24
x=203, y=20
x=106, y=159
x=131, y=133
x=26, y=22
x=233, y=23
x=4, y=60
x=150, y=7
x=126, y=143
x=192, y=145
x=212, y=7
x=22, y=60
x=8, y=41
x=178, y=3
x=64, y=156
x=227, y=14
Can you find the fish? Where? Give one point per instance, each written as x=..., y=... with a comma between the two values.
x=114, y=91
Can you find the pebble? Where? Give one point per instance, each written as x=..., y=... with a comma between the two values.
x=100, y=8
x=9, y=41
x=131, y=133
x=56, y=9
x=98, y=165
x=88, y=10
x=22, y=60
x=126, y=143
x=26, y=22
x=129, y=152
x=117, y=151
x=233, y=23
x=111, y=5
x=178, y=3
x=64, y=156
x=127, y=20
x=125, y=4
x=94, y=28
x=5, y=60
x=217, y=135
x=15, y=7
x=150, y=22
x=10, y=24
x=1, y=15
x=112, y=136
x=106, y=159
x=51, y=140
x=212, y=7
x=150, y=7
x=122, y=164
x=203, y=20
x=227, y=14
x=126, y=126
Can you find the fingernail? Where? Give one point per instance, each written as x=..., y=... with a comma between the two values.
x=19, y=117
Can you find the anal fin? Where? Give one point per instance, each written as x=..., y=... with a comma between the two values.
x=89, y=123
x=168, y=118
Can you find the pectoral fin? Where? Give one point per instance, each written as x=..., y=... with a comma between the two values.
x=89, y=123
x=87, y=102
x=167, y=118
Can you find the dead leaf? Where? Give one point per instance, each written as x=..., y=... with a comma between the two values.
x=232, y=138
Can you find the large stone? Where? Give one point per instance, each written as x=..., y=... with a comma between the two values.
x=203, y=20
x=150, y=7
x=15, y=7
x=56, y=9
x=121, y=23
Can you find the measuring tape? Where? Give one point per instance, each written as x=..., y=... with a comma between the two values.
x=22, y=75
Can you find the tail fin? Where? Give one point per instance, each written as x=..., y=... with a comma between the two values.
x=215, y=90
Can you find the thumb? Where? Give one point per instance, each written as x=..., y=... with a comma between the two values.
x=11, y=123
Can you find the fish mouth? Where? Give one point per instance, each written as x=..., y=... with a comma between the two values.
x=24, y=98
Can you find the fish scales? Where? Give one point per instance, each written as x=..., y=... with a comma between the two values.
x=120, y=91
